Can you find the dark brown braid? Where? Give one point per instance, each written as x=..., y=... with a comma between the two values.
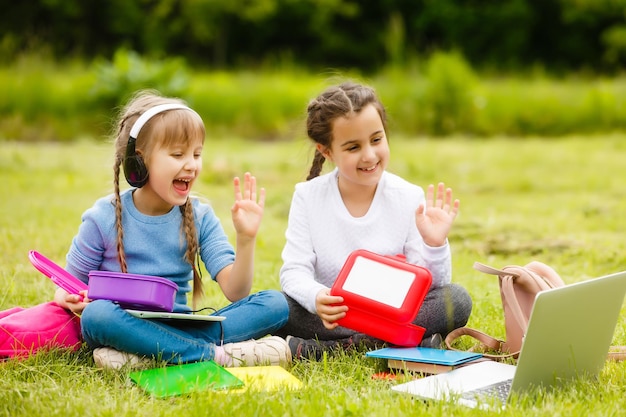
x=334, y=102
x=317, y=165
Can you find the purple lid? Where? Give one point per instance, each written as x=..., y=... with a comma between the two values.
x=58, y=275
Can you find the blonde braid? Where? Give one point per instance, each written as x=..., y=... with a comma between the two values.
x=191, y=235
x=121, y=256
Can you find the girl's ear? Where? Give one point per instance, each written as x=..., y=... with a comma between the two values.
x=324, y=151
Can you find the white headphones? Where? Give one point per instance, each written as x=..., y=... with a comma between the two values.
x=135, y=169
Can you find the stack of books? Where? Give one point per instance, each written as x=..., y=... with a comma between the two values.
x=424, y=360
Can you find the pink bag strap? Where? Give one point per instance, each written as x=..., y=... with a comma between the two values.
x=514, y=305
x=617, y=353
x=507, y=277
x=485, y=342
x=550, y=276
x=541, y=270
x=493, y=271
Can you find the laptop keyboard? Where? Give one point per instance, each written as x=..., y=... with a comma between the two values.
x=499, y=390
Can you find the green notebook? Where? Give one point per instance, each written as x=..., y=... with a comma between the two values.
x=183, y=379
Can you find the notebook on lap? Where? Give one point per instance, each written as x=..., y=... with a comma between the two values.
x=167, y=316
x=569, y=334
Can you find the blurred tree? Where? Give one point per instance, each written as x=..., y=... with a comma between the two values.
x=369, y=35
x=487, y=32
x=605, y=24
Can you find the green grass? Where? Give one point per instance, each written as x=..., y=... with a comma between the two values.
x=558, y=201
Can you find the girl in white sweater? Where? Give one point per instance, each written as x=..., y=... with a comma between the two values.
x=359, y=205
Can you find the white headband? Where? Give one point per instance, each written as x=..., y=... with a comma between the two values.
x=148, y=114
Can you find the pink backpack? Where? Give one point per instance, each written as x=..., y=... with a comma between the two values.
x=24, y=331
x=518, y=288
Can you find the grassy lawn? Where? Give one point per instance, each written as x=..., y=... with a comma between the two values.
x=559, y=201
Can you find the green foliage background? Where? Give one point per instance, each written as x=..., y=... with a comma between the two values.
x=438, y=96
x=470, y=67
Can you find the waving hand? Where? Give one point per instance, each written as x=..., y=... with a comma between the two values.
x=435, y=219
x=247, y=212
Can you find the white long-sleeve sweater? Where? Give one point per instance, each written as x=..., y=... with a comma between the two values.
x=321, y=234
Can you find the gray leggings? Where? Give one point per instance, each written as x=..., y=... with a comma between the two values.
x=444, y=309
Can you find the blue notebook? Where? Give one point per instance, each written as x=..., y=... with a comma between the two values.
x=425, y=355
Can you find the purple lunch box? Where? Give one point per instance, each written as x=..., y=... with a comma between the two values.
x=139, y=292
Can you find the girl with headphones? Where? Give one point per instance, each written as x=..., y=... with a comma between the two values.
x=157, y=228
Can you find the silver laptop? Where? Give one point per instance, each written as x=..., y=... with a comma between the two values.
x=569, y=334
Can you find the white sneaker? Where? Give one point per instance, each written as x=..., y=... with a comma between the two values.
x=271, y=350
x=106, y=357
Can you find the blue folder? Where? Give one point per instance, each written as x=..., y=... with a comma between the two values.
x=425, y=355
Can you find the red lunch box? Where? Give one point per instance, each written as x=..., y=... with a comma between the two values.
x=383, y=295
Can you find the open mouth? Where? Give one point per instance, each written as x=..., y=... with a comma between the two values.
x=182, y=185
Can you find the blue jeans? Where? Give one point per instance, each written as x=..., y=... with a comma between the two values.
x=104, y=323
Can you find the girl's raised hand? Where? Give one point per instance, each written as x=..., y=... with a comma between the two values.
x=435, y=219
x=247, y=212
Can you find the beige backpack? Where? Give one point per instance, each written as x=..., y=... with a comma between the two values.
x=518, y=289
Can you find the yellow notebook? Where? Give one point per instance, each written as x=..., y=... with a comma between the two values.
x=265, y=378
